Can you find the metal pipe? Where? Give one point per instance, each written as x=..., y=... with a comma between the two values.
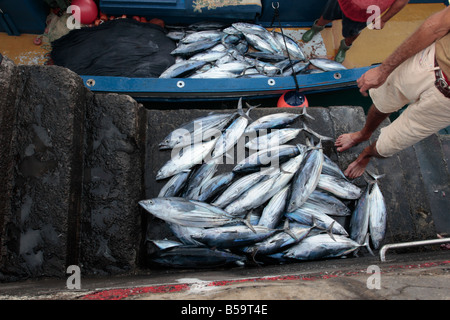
x=409, y=244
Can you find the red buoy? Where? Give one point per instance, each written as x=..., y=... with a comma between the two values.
x=292, y=99
x=88, y=10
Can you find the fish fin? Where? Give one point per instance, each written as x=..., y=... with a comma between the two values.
x=288, y=231
x=313, y=223
x=367, y=244
x=253, y=255
x=247, y=222
x=306, y=114
x=330, y=232
x=317, y=135
x=241, y=111
x=375, y=176
x=250, y=108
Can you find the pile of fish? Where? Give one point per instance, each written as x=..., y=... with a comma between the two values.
x=211, y=50
x=276, y=205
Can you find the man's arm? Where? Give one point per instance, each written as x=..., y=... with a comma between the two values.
x=433, y=28
x=393, y=10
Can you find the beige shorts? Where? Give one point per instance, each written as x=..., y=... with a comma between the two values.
x=428, y=111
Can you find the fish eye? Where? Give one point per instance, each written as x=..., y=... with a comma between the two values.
x=166, y=141
x=151, y=202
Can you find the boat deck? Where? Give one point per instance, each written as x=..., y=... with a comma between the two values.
x=373, y=46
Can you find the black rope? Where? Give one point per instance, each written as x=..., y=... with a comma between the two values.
x=276, y=14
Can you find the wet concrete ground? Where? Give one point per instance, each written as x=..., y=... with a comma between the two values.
x=403, y=276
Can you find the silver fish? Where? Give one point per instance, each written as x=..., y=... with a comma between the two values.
x=322, y=246
x=215, y=185
x=205, y=35
x=272, y=156
x=331, y=168
x=182, y=69
x=252, y=30
x=197, y=130
x=281, y=240
x=254, y=196
x=176, y=35
x=232, y=30
x=264, y=56
x=174, y=185
x=262, y=192
x=233, y=236
x=189, y=49
x=377, y=216
x=165, y=244
x=328, y=203
x=208, y=56
x=189, y=213
x=237, y=188
x=307, y=178
x=295, y=52
x=306, y=215
x=273, y=139
x=359, y=222
x=233, y=66
x=186, y=159
x=198, y=179
x=341, y=188
x=294, y=69
x=327, y=64
x=263, y=42
x=232, y=134
x=263, y=67
x=272, y=121
x=183, y=233
x=244, y=27
x=274, y=210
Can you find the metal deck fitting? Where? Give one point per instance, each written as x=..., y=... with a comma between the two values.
x=409, y=244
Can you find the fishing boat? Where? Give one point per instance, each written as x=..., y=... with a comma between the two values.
x=291, y=17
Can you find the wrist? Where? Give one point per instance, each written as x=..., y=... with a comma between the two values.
x=385, y=69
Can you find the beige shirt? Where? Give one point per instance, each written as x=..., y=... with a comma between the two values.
x=443, y=54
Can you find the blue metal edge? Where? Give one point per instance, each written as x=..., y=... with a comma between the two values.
x=156, y=89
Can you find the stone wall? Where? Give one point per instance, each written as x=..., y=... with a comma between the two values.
x=72, y=171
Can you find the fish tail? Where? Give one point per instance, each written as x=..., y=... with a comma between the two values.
x=247, y=223
x=367, y=244
x=317, y=135
x=374, y=176
x=330, y=231
x=250, y=108
x=288, y=231
x=306, y=114
x=241, y=111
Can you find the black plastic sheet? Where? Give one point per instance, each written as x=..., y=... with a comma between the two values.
x=121, y=47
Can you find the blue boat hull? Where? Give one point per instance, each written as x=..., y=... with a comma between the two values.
x=155, y=89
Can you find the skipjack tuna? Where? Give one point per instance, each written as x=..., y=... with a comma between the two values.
x=275, y=210
x=254, y=51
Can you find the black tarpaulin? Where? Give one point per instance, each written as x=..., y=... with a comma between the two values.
x=121, y=47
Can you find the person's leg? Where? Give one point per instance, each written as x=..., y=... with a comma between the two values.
x=413, y=80
x=418, y=121
x=322, y=22
x=331, y=12
x=350, y=31
x=357, y=167
x=348, y=140
x=407, y=83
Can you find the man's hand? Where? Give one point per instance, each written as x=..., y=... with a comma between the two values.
x=372, y=78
